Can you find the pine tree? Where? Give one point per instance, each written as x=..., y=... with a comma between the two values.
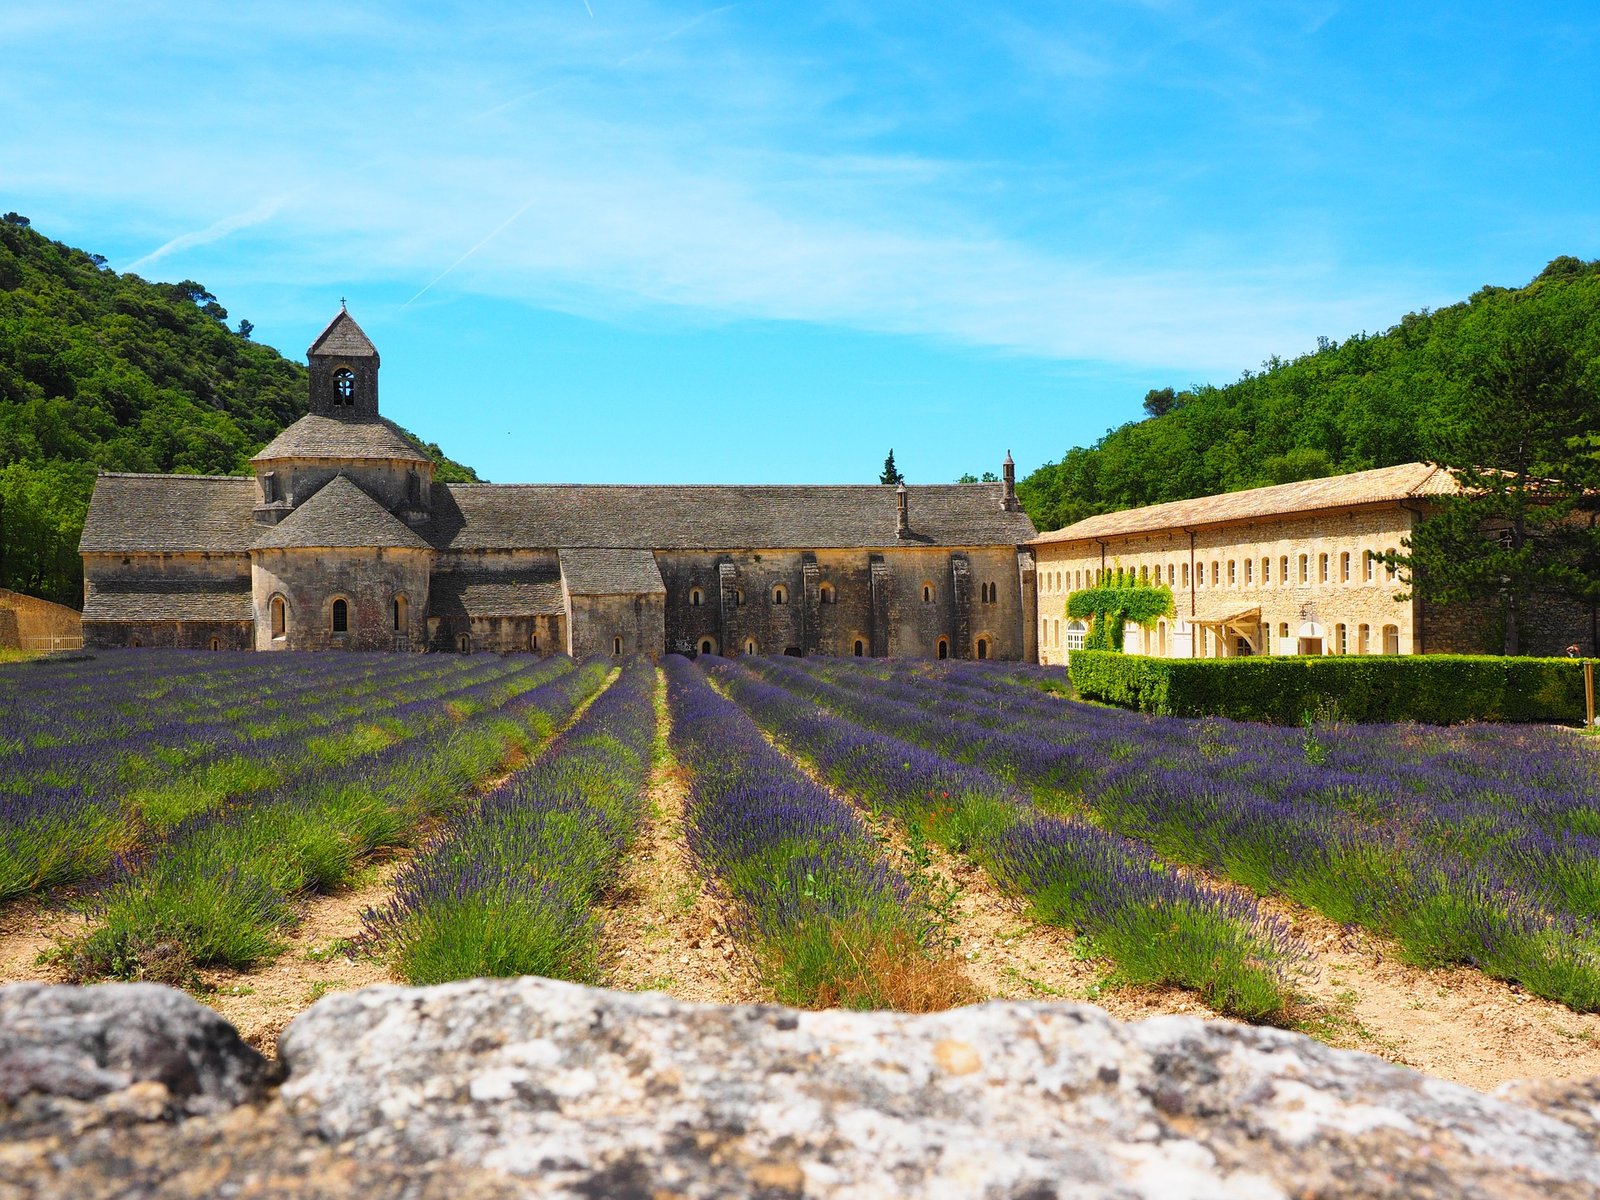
x=891, y=473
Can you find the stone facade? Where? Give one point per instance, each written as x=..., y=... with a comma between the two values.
x=342, y=539
x=1290, y=569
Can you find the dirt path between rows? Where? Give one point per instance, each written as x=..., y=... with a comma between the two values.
x=663, y=930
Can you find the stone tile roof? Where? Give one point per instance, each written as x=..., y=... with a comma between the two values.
x=343, y=337
x=167, y=599
x=340, y=516
x=725, y=517
x=534, y=592
x=132, y=514
x=314, y=436
x=1386, y=484
x=611, y=572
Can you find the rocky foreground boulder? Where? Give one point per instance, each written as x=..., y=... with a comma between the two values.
x=535, y=1088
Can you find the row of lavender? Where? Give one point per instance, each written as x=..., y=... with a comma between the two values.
x=220, y=887
x=1360, y=824
x=822, y=917
x=66, y=821
x=511, y=885
x=1152, y=924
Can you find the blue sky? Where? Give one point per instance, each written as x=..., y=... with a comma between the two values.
x=764, y=241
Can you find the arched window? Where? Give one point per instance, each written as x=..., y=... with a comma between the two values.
x=696, y=597
x=464, y=643
x=825, y=593
x=279, y=611
x=1344, y=567
x=927, y=593
x=344, y=386
x=1158, y=574
x=1283, y=629
x=1076, y=632
x=616, y=645
x=1233, y=572
x=1283, y=571
x=983, y=647
x=1266, y=571
x=135, y=643
x=1161, y=636
x=1305, y=568
x=749, y=645
x=1341, y=639
x=1389, y=570
x=1185, y=574
x=341, y=617
x=707, y=646
x=533, y=640
x=1322, y=568
x=861, y=648
x=1144, y=574
x=1363, y=639
x=1216, y=573
x=1368, y=560
x=1391, y=639
x=398, y=613
x=944, y=648
x=780, y=594
x=216, y=643
x=1249, y=570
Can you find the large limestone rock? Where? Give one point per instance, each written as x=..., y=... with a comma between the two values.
x=493, y=1089
x=589, y=1093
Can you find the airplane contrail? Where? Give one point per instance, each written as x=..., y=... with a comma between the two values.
x=494, y=233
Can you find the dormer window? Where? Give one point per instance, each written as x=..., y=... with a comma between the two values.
x=344, y=386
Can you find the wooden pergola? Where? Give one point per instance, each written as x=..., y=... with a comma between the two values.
x=1245, y=623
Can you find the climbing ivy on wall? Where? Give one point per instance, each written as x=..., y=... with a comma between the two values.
x=1122, y=598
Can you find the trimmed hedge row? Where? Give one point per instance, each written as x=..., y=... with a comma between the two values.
x=1438, y=689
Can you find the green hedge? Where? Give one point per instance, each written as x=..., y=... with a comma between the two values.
x=1438, y=689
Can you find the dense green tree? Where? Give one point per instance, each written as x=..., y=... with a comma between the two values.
x=891, y=473
x=1518, y=438
x=101, y=371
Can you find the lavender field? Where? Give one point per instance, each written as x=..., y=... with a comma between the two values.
x=194, y=808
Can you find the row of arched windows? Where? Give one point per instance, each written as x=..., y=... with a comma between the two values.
x=339, y=614
x=988, y=593
x=1301, y=569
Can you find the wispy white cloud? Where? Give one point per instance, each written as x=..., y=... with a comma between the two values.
x=214, y=232
x=653, y=162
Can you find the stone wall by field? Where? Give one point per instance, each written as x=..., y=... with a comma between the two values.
x=529, y=1087
x=26, y=620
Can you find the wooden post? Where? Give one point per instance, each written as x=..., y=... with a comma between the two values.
x=1588, y=689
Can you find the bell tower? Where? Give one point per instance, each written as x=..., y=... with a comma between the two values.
x=344, y=371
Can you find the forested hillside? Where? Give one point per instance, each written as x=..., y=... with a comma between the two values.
x=101, y=371
x=1371, y=401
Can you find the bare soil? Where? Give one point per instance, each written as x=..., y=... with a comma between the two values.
x=664, y=931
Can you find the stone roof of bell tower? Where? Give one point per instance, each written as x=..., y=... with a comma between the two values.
x=343, y=338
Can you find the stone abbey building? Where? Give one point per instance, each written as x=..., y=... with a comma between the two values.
x=342, y=539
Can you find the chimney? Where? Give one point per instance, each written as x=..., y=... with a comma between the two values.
x=1008, y=472
x=903, y=524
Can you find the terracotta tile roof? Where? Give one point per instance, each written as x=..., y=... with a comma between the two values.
x=340, y=516
x=148, y=514
x=611, y=572
x=531, y=592
x=1405, y=482
x=725, y=517
x=167, y=599
x=343, y=337
x=314, y=436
